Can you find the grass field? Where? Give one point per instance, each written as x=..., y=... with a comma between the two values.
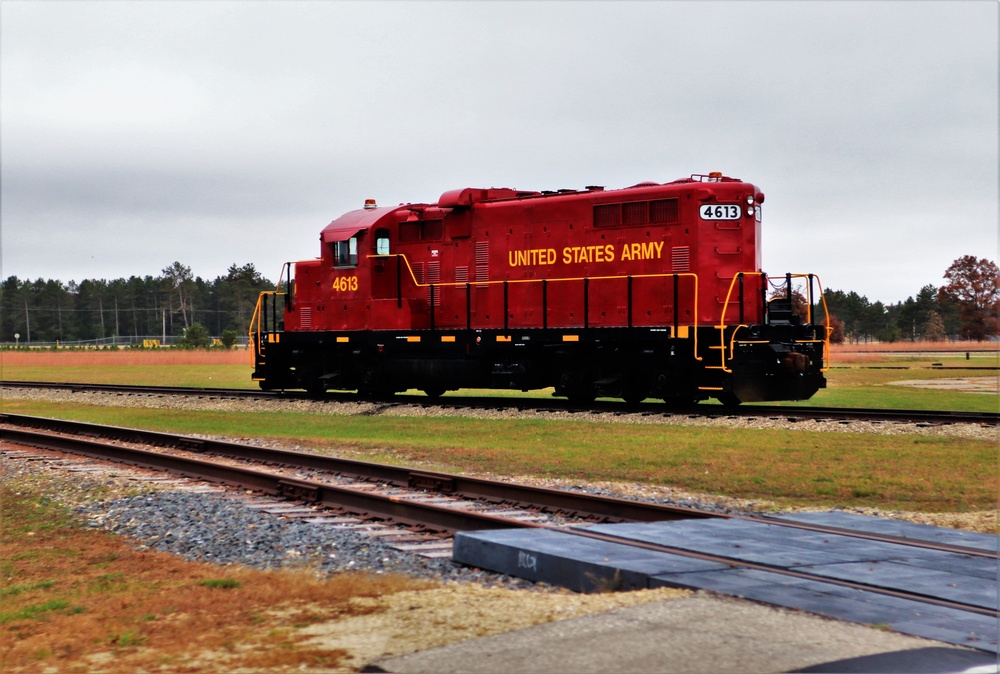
x=910, y=472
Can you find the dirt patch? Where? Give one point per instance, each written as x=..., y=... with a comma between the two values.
x=406, y=622
x=989, y=385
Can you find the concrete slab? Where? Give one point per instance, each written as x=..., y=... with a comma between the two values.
x=895, y=576
x=906, y=616
x=587, y=565
x=580, y=564
x=883, y=525
x=700, y=634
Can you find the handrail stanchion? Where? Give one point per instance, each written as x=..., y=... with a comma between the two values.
x=399, y=282
x=740, y=276
x=630, y=301
x=545, y=303
x=676, y=304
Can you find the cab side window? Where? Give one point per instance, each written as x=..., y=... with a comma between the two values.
x=382, y=242
x=345, y=253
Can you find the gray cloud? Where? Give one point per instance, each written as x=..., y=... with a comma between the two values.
x=136, y=134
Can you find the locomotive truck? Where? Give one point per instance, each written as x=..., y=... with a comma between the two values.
x=649, y=291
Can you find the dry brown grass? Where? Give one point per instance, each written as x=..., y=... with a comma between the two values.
x=877, y=352
x=84, y=601
x=122, y=358
x=925, y=347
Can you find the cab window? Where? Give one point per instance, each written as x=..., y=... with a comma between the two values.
x=345, y=253
x=382, y=242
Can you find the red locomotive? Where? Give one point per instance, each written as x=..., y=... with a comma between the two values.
x=654, y=290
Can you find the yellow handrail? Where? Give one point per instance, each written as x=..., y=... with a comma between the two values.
x=732, y=340
x=256, y=322
x=460, y=284
x=256, y=319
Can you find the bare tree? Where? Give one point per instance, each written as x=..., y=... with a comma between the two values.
x=180, y=284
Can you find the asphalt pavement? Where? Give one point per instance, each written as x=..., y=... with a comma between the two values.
x=704, y=633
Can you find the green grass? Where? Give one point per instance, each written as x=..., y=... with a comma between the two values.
x=220, y=583
x=35, y=611
x=207, y=376
x=909, y=472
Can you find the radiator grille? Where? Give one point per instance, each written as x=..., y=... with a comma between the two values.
x=636, y=213
x=607, y=215
x=663, y=210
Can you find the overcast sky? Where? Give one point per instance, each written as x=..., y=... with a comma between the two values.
x=138, y=134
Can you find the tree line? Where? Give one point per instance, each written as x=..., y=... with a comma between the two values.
x=180, y=305
x=965, y=307
x=175, y=304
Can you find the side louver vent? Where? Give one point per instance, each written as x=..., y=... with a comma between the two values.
x=680, y=257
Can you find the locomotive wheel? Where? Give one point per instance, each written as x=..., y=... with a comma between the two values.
x=728, y=399
x=371, y=388
x=375, y=393
x=681, y=403
x=581, y=397
x=576, y=388
x=633, y=394
x=434, y=391
x=633, y=397
x=315, y=389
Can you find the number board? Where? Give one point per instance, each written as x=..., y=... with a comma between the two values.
x=720, y=212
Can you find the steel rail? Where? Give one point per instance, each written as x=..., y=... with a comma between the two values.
x=870, y=536
x=791, y=412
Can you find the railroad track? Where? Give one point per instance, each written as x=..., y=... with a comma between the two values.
x=434, y=502
x=94, y=440
x=797, y=412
